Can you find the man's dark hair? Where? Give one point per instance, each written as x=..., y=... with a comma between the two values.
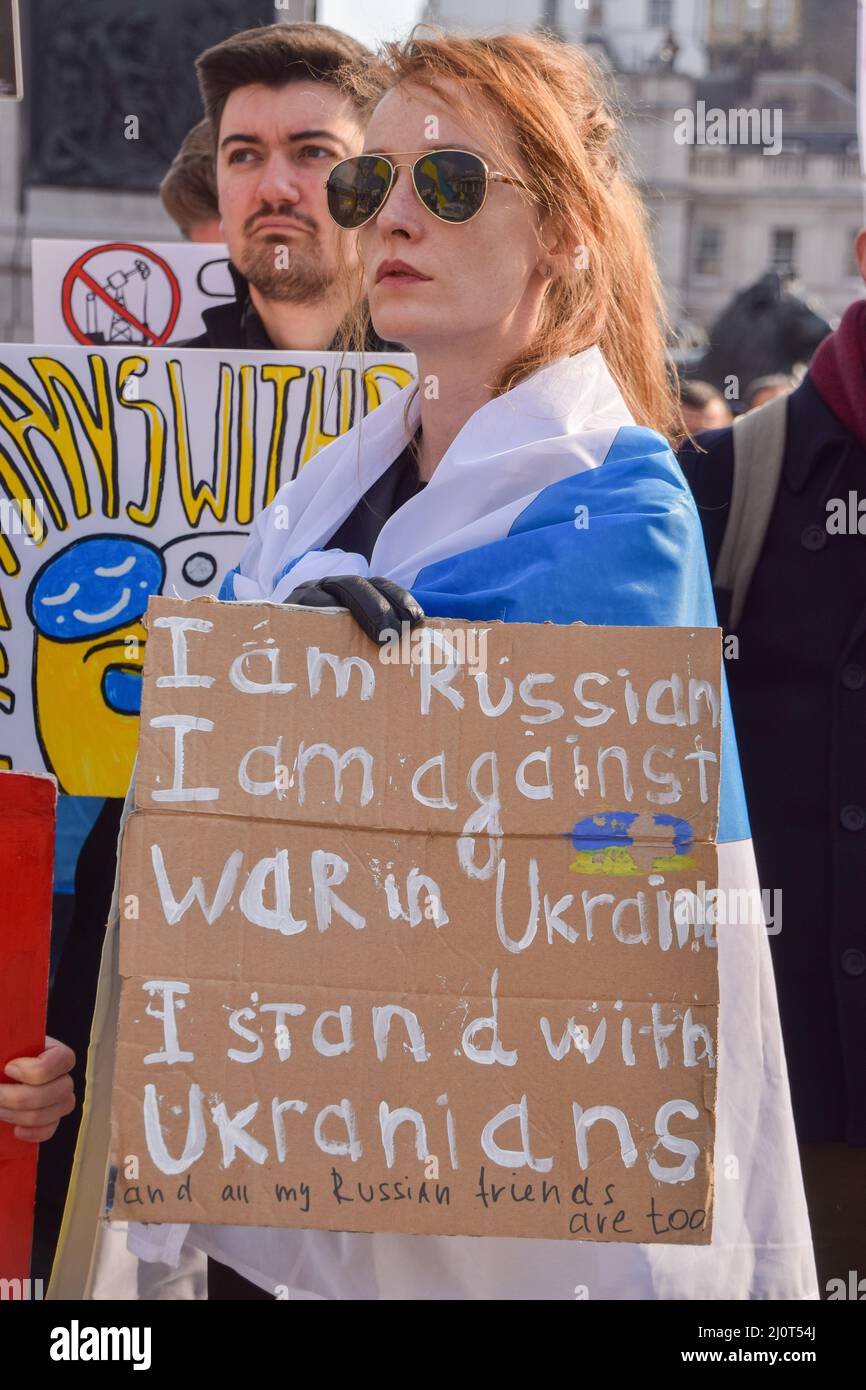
x=698, y=394
x=273, y=55
x=188, y=191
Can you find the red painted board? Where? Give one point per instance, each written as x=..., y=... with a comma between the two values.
x=27, y=807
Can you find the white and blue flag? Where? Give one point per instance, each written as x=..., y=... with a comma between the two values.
x=550, y=505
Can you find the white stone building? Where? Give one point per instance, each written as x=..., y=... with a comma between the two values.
x=724, y=214
x=632, y=31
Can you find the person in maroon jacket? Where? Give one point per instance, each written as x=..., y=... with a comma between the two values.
x=798, y=688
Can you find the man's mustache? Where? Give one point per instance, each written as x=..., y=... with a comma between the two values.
x=288, y=213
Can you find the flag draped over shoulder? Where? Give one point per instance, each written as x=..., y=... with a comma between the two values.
x=554, y=468
x=550, y=505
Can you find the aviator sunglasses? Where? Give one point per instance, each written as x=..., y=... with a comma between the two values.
x=452, y=184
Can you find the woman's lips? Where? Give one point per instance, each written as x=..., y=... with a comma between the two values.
x=398, y=273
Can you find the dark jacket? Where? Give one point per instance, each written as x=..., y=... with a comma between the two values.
x=236, y=324
x=798, y=687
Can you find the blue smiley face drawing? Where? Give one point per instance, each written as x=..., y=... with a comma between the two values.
x=86, y=605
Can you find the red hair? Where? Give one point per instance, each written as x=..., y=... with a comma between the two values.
x=552, y=97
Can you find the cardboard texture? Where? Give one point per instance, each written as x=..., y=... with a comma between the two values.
x=465, y=983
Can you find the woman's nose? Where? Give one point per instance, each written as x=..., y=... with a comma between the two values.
x=401, y=207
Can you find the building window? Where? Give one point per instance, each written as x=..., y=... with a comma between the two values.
x=754, y=16
x=708, y=251
x=660, y=14
x=788, y=166
x=783, y=253
x=720, y=164
x=724, y=16
x=781, y=16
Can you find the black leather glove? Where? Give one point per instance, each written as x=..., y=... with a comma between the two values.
x=377, y=605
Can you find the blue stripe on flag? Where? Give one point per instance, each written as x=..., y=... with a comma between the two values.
x=227, y=588
x=638, y=561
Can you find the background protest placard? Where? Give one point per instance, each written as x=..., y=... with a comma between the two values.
x=26, y=852
x=128, y=473
x=125, y=293
x=420, y=944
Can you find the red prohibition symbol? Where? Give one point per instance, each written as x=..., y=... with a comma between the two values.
x=111, y=293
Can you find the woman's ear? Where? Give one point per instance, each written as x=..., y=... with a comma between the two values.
x=561, y=250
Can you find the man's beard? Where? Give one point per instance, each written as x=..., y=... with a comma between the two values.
x=305, y=280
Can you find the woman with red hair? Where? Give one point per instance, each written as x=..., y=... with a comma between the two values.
x=527, y=477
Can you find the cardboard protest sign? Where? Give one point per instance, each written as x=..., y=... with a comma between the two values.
x=26, y=860
x=123, y=293
x=129, y=473
x=420, y=945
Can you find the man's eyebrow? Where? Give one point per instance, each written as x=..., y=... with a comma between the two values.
x=241, y=138
x=245, y=139
x=317, y=135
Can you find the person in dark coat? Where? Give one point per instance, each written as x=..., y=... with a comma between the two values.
x=236, y=323
x=798, y=686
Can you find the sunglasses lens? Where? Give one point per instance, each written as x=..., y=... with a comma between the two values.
x=451, y=183
x=357, y=189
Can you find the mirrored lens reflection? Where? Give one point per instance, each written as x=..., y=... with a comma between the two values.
x=357, y=189
x=451, y=184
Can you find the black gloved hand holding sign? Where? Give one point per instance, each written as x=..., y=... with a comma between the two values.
x=378, y=605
